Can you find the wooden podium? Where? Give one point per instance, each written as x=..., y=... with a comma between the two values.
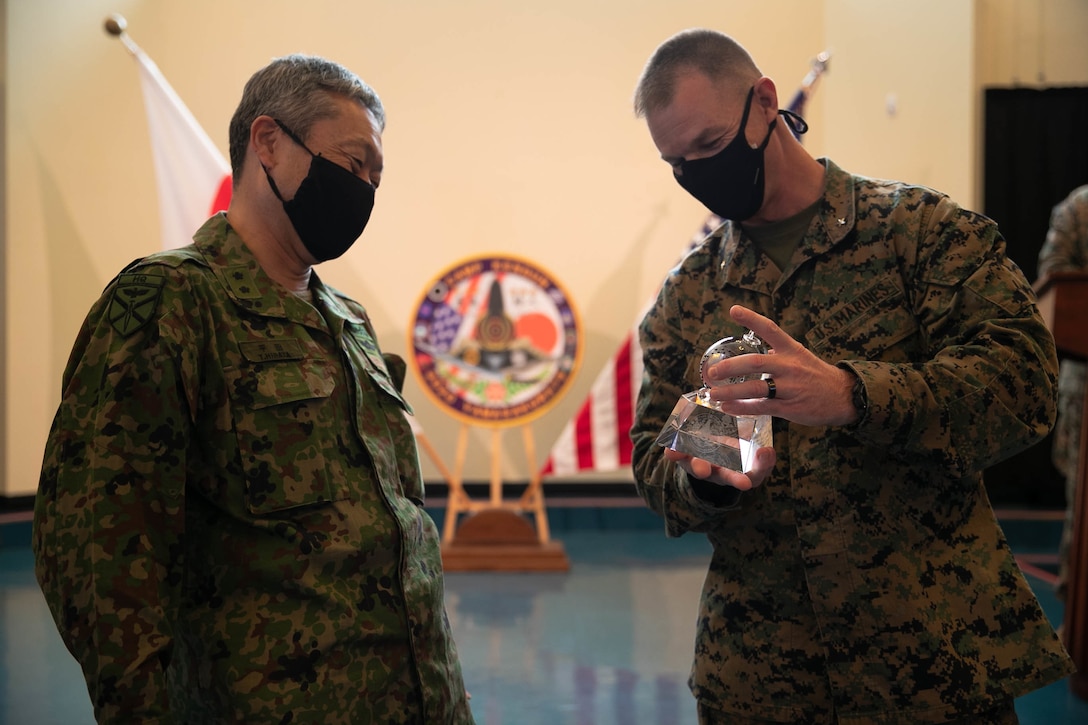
x=496, y=535
x=1063, y=302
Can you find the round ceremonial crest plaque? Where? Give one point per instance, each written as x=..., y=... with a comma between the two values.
x=495, y=341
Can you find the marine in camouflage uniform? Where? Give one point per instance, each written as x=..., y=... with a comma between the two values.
x=866, y=580
x=1066, y=250
x=229, y=525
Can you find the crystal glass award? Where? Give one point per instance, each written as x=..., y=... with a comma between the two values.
x=698, y=426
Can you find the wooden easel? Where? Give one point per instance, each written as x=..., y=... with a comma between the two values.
x=496, y=535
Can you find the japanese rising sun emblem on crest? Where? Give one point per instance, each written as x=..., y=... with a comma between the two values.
x=495, y=341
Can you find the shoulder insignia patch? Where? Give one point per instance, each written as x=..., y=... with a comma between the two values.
x=134, y=301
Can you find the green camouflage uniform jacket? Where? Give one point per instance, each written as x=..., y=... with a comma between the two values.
x=229, y=523
x=868, y=574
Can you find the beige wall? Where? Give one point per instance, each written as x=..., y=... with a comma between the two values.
x=510, y=130
x=902, y=91
x=1032, y=42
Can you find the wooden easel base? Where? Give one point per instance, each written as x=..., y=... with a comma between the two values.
x=508, y=557
x=498, y=539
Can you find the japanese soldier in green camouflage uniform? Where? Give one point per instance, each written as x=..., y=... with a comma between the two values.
x=229, y=524
x=858, y=574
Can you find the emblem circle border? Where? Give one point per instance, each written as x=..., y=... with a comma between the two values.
x=445, y=398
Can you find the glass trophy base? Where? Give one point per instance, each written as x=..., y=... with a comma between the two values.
x=698, y=428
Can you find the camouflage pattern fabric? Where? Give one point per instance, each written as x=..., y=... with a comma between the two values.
x=1066, y=250
x=229, y=523
x=867, y=580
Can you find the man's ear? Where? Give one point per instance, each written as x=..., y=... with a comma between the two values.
x=264, y=136
x=766, y=97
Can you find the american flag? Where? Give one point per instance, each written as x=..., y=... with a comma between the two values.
x=445, y=325
x=597, y=439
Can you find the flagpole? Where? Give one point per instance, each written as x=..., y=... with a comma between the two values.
x=115, y=25
x=808, y=84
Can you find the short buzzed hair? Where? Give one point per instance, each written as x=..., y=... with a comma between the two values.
x=295, y=89
x=714, y=54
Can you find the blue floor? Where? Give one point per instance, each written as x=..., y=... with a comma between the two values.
x=608, y=642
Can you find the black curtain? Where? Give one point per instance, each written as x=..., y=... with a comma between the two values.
x=1035, y=153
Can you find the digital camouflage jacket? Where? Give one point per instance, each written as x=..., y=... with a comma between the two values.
x=868, y=575
x=1066, y=250
x=229, y=523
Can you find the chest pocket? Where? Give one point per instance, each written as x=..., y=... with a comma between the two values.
x=285, y=417
x=871, y=326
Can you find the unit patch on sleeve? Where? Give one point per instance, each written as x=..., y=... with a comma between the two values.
x=134, y=301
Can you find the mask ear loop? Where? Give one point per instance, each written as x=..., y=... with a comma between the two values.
x=291, y=135
x=797, y=124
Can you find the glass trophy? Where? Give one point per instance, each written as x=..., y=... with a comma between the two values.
x=697, y=426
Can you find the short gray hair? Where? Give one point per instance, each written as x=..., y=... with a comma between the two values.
x=295, y=89
x=714, y=54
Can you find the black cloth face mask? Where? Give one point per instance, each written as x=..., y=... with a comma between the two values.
x=730, y=183
x=331, y=207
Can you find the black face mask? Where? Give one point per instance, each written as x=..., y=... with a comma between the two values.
x=331, y=207
x=730, y=183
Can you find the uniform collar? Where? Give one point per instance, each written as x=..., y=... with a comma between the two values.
x=742, y=264
x=245, y=282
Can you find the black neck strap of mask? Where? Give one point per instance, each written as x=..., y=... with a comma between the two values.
x=797, y=124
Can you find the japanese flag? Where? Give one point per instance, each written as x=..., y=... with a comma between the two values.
x=193, y=177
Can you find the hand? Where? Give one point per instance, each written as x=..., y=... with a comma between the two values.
x=807, y=390
x=699, y=468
